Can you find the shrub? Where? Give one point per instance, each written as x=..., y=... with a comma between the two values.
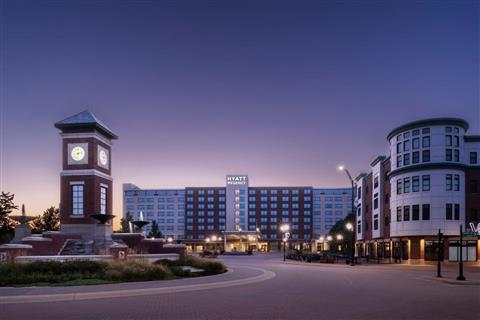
x=209, y=266
x=135, y=270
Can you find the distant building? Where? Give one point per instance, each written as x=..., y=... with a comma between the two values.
x=195, y=215
x=429, y=182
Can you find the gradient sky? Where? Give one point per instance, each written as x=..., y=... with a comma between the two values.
x=282, y=91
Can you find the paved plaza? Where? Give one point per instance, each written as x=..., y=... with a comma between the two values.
x=263, y=287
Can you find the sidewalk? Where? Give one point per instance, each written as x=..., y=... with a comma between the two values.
x=445, y=266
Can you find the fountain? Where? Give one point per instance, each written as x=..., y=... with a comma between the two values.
x=102, y=218
x=140, y=223
x=23, y=229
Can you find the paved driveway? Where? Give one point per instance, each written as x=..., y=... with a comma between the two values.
x=262, y=287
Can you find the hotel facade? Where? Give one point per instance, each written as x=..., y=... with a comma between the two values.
x=428, y=183
x=238, y=216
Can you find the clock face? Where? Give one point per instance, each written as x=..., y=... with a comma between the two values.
x=78, y=153
x=103, y=157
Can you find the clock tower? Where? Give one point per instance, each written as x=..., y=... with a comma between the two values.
x=85, y=179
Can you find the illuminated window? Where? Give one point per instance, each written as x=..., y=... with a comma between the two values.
x=77, y=199
x=103, y=200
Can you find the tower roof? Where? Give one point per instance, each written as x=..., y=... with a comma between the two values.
x=82, y=121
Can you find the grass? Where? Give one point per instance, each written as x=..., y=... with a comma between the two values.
x=72, y=273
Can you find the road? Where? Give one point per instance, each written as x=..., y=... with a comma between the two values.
x=262, y=287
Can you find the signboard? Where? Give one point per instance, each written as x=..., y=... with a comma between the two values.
x=475, y=228
x=469, y=234
x=237, y=180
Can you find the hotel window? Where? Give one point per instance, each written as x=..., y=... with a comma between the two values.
x=456, y=182
x=456, y=155
x=406, y=145
x=448, y=211
x=359, y=227
x=375, y=201
x=415, y=157
x=426, y=155
x=103, y=200
x=473, y=158
x=359, y=192
x=416, y=132
x=448, y=154
x=406, y=213
x=375, y=222
x=474, y=215
x=473, y=186
x=415, y=143
x=399, y=147
x=406, y=159
x=406, y=185
x=375, y=184
x=399, y=186
x=415, y=212
x=399, y=161
x=406, y=135
x=448, y=140
x=426, y=142
x=77, y=199
x=399, y=213
x=448, y=182
x=426, y=183
x=415, y=184
x=457, y=211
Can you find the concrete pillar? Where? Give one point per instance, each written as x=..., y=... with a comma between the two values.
x=8, y=252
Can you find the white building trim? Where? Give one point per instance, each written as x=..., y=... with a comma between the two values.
x=88, y=172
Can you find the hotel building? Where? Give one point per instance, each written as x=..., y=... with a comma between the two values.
x=244, y=217
x=429, y=182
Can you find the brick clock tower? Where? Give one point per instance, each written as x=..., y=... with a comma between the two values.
x=85, y=180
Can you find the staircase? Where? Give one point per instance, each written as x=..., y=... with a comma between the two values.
x=74, y=247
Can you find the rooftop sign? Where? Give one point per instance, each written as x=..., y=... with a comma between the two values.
x=237, y=180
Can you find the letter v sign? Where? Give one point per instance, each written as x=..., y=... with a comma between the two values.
x=474, y=228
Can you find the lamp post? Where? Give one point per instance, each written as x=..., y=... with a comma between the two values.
x=349, y=227
x=339, y=237
x=342, y=168
x=322, y=243
x=285, y=228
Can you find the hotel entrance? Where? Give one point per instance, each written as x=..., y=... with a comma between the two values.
x=242, y=241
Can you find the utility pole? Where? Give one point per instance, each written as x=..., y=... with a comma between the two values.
x=460, y=264
x=439, y=254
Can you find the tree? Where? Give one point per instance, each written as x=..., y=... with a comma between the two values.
x=125, y=223
x=48, y=221
x=6, y=207
x=154, y=232
x=339, y=228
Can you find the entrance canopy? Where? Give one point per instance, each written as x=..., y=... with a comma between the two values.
x=240, y=240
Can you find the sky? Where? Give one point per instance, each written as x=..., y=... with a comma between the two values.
x=282, y=91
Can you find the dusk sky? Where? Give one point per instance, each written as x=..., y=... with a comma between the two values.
x=282, y=91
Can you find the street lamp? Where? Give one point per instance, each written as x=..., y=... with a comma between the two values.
x=322, y=243
x=285, y=228
x=352, y=226
x=169, y=239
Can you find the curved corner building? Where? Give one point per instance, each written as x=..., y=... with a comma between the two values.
x=429, y=184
